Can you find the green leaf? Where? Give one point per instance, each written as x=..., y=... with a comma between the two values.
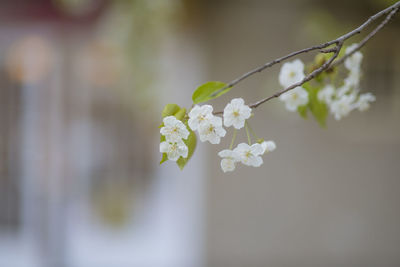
x=318, y=108
x=173, y=110
x=180, y=114
x=191, y=144
x=164, y=155
x=208, y=91
x=303, y=111
x=170, y=110
x=164, y=158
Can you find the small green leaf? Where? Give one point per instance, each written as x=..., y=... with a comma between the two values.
x=170, y=110
x=320, y=112
x=164, y=158
x=208, y=91
x=164, y=155
x=303, y=111
x=180, y=114
x=191, y=144
x=318, y=108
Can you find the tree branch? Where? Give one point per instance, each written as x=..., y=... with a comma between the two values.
x=338, y=42
x=367, y=38
x=309, y=77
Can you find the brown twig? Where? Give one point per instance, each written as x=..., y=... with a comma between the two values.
x=367, y=38
x=336, y=49
x=309, y=77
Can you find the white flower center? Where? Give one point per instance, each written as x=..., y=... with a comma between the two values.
x=174, y=147
x=248, y=154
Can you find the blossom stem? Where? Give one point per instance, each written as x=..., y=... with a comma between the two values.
x=247, y=133
x=233, y=139
x=252, y=131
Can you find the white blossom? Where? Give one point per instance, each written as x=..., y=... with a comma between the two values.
x=212, y=131
x=291, y=73
x=199, y=115
x=250, y=155
x=353, y=63
x=343, y=90
x=363, y=101
x=326, y=94
x=353, y=80
x=342, y=106
x=174, y=150
x=174, y=130
x=229, y=159
x=236, y=113
x=294, y=98
x=268, y=146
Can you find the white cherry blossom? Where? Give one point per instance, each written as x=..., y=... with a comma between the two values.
x=291, y=73
x=174, y=130
x=229, y=159
x=326, y=94
x=342, y=106
x=353, y=63
x=236, y=113
x=353, y=79
x=199, y=115
x=174, y=150
x=268, y=146
x=212, y=131
x=294, y=98
x=342, y=90
x=364, y=100
x=250, y=155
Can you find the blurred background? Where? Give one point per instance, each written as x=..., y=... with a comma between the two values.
x=82, y=85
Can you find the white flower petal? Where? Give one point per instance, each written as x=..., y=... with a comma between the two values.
x=248, y=155
x=294, y=98
x=326, y=94
x=199, y=115
x=255, y=161
x=174, y=130
x=364, y=100
x=227, y=165
x=212, y=131
x=164, y=147
x=342, y=106
x=236, y=113
x=256, y=149
x=268, y=146
x=174, y=150
x=229, y=158
x=291, y=73
x=353, y=63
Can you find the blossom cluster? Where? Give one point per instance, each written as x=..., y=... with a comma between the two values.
x=345, y=98
x=291, y=73
x=178, y=140
x=210, y=128
x=174, y=132
x=247, y=154
x=340, y=100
